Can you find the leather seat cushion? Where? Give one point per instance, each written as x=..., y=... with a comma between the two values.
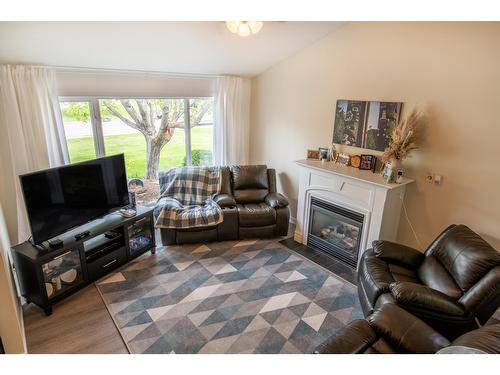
x=435, y=276
x=256, y=214
x=376, y=275
x=400, y=273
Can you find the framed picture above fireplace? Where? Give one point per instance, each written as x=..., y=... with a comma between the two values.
x=365, y=124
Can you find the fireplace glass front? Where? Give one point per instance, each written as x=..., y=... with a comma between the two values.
x=335, y=230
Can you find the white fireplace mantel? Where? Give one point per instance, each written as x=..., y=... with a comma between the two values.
x=357, y=190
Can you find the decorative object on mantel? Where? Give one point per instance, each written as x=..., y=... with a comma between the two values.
x=365, y=124
x=313, y=154
x=323, y=154
x=388, y=173
x=368, y=162
x=403, y=141
x=343, y=159
x=399, y=177
x=332, y=153
x=355, y=161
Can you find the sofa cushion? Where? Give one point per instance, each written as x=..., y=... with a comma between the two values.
x=249, y=177
x=465, y=255
x=250, y=195
x=435, y=276
x=400, y=273
x=225, y=181
x=256, y=215
x=250, y=183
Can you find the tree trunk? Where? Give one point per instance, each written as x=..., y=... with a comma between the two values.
x=153, y=148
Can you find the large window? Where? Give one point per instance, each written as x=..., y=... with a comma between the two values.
x=155, y=134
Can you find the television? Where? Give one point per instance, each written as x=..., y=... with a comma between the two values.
x=62, y=198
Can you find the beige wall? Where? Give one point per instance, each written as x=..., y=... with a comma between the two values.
x=108, y=83
x=452, y=69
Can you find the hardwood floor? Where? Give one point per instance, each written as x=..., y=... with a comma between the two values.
x=80, y=324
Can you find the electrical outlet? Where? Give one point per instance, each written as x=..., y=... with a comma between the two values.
x=429, y=178
x=438, y=179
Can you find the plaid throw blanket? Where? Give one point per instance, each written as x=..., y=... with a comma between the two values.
x=186, y=198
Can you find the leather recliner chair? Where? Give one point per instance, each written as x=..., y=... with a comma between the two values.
x=251, y=207
x=453, y=286
x=392, y=330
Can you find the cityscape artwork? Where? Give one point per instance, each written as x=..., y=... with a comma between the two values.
x=365, y=124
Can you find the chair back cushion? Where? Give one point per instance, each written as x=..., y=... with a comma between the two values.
x=465, y=255
x=250, y=183
x=225, y=181
x=433, y=274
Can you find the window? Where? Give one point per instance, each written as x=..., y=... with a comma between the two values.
x=152, y=133
x=78, y=130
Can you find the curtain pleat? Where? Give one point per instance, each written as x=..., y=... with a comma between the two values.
x=232, y=121
x=31, y=136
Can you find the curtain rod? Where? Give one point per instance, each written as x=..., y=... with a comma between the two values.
x=130, y=71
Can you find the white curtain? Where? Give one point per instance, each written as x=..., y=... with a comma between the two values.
x=232, y=121
x=31, y=135
x=11, y=323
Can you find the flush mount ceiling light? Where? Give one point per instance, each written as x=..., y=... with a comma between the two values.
x=244, y=28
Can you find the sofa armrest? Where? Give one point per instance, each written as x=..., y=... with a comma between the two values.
x=354, y=338
x=485, y=339
x=225, y=200
x=165, y=204
x=397, y=253
x=168, y=204
x=480, y=299
x=420, y=296
x=276, y=200
x=406, y=331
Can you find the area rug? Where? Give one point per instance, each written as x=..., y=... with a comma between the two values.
x=227, y=297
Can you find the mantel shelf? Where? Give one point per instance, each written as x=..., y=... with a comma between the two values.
x=350, y=172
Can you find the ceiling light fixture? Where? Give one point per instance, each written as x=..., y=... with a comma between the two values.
x=244, y=28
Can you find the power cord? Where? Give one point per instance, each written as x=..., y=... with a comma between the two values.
x=409, y=223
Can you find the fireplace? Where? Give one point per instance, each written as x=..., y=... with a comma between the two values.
x=335, y=230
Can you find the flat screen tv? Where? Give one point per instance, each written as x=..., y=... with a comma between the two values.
x=59, y=199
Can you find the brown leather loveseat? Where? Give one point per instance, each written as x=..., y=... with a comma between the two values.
x=251, y=207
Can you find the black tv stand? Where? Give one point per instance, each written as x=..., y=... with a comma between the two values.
x=47, y=276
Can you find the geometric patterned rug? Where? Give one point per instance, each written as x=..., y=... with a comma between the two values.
x=227, y=297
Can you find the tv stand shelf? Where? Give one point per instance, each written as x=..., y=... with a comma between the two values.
x=48, y=276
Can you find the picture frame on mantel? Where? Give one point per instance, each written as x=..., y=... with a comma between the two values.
x=368, y=163
x=323, y=153
x=313, y=154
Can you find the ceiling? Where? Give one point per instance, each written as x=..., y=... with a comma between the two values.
x=180, y=47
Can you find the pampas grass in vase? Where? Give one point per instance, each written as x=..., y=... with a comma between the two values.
x=403, y=139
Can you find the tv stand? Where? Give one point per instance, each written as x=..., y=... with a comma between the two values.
x=47, y=276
